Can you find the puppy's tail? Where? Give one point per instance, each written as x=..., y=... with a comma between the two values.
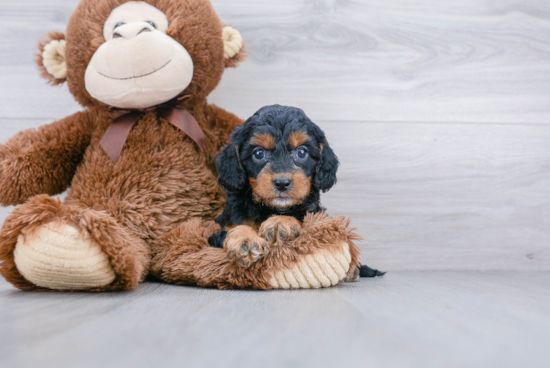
x=366, y=271
x=363, y=271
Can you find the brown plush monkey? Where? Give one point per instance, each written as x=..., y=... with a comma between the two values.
x=138, y=162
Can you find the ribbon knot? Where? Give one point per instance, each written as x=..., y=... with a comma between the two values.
x=117, y=134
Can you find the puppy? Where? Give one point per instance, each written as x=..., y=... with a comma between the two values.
x=273, y=171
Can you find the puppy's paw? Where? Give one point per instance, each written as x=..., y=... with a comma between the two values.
x=353, y=275
x=244, y=246
x=280, y=229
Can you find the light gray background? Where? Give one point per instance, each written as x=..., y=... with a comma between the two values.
x=440, y=114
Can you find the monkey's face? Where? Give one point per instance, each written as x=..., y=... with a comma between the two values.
x=139, y=54
x=139, y=65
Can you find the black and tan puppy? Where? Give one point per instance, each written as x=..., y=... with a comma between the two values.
x=273, y=171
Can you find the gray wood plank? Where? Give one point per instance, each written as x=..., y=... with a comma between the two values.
x=23, y=93
x=427, y=319
x=445, y=196
x=437, y=196
x=458, y=60
x=463, y=319
x=372, y=60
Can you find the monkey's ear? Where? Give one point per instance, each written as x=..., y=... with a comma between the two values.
x=230, y=170
x=233, y=47
x=51, y=59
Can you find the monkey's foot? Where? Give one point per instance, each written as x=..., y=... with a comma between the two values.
x=57, y=256
x=327, y=267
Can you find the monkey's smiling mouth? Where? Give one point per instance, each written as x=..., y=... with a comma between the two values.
x=137, y=76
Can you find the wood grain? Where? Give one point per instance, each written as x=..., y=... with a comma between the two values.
x=427, y=60
x=445, y=196
x=452, y=61
x=425, y=319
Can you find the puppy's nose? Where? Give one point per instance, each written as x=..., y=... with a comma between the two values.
x=282, y=184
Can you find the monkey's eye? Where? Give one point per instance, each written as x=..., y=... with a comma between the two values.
x=302, y=154
x=151, y=23
x=119, y=25
x=259, y=155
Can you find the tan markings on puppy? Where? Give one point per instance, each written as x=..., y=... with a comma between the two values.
x=264, y=191
x=297, y=139
x=301, y=185
x=263, y=140
x=280, y=229
x=244, y=246
x=262, y=186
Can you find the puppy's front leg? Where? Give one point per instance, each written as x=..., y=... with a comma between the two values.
x=280, y=229
x=244, y=246
x=217, y=239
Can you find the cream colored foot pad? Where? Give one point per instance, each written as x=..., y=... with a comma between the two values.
x=323, y=269
x=56, y=256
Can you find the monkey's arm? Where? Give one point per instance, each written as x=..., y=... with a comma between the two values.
x=43, y=160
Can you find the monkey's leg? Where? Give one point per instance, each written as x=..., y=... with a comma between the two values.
x=45, y=244
x=322, y=256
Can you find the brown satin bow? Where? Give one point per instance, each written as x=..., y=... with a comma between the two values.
x=116, y=135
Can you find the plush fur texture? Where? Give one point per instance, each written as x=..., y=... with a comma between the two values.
x=52, y=36
x=150, y=211
x=207, y=266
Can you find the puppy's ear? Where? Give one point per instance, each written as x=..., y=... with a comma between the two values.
x=233, y=46
x=51, y=59
x=230, y=170
x=325, y=176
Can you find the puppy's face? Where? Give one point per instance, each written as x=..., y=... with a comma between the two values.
x=281, y=154
x=280, y=165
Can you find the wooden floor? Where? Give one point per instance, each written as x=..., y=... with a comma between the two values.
x=440, y=113
x=406, y=319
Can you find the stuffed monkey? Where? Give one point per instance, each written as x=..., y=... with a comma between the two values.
x=138, y=163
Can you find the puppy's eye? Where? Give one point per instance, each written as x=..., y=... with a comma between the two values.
x=259, y=155
x=151, y=23
x=302, y=154
x=119, y=24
